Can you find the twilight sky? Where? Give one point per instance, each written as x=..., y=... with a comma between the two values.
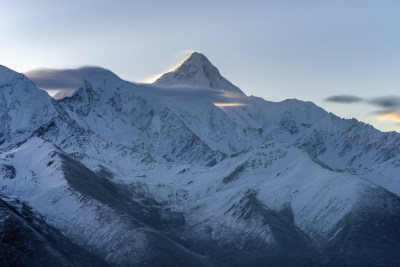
x=343, y=55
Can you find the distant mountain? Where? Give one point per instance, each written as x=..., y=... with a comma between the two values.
x=197, y=70
x=159, y=175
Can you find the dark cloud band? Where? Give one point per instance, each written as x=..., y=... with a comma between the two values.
x=387, y=102
x=345, y=99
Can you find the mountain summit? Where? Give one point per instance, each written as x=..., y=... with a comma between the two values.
x=197, y=70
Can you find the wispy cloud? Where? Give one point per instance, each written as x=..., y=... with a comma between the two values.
x=386, y=102
x=151, y=79
x=63, y=81
x=345, y=99
x=223, y=105
x=389, y=115
x=66, y=81
x=59, y=79
x=388, y=106
x=185, y=92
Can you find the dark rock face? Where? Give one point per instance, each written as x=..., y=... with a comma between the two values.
x=369, y=235
x=145, y=215
x=26, y=240
x=291, y=247
x=8, y=171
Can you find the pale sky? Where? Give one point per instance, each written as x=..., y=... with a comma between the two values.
x=310, y=50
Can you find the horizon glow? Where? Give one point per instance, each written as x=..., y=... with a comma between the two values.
x=221, y=105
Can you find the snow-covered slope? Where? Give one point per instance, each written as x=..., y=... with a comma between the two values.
x=92, y=211
x=263, y=197
x=127, y=114
x=23, y=108
x=26, y=240
x=159, y=174
x=343, y=145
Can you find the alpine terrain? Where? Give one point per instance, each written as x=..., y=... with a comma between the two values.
x=190, y=171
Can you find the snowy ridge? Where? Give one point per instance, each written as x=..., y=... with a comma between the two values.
x=23, y=108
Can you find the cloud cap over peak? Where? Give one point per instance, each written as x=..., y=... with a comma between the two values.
x=63, y=82
x=59, y=79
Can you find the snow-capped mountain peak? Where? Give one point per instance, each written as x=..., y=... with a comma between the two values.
x=197, y=70
x=8, y=76
x=188, y=182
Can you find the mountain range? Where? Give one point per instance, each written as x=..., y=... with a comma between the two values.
x=190, y=171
